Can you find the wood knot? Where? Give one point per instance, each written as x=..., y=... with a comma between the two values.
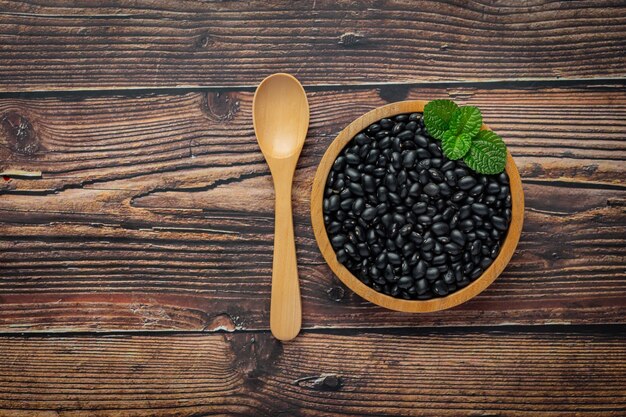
x=19, y=134
x=220, y=107
x=351, y=39
x=203, y=41
x=222, y=322
x=255, y=356
x=323, y=382
x=336, y=293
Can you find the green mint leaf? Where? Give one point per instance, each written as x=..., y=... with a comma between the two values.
x=455, y=146
x=487, y=154
x=466, y=119
x=437, y=115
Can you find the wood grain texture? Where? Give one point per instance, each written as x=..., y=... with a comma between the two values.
x=549, y=374
x=155, y=211
x=122, y=44
x=355, y=284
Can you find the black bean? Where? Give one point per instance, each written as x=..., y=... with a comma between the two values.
x=394, y=258
x=334, y=202
x=458, y=197
x=412, y=126
x=440, y=288
x=493, y=188
x=352, y=159
x=494, y=251
x=404, y=135
x=434, y=150
x=499, y=223
x=419, y=207
x=390, y=182
x=466, y=225
x=421, y=141
x=386, y=123
x=401, y=178
x=432, y=273
x=358, y=206
x=445, y=190
x=369, y=184
x=409, y=158
x=476, y=272
x=350, y=249
x=480, y=209
x=355, y=188
x=368, y=214
x=338, y=240
x=405, y=282
x=422, y=286
x=346, y=204
x=397, y=128
x=465, y=212
x=340, y=164
x=394, y=198
x=381, y=209
x=435, y=174
x=362, y=139
x=373, y=128
x=384, y=143
x=440, y=228
x=440, y=259
x=485, y=262
x=458, y=237
x=476, y=190
x=431, y=189
x=381, y=260
x=428, y=244
x=333, y=227
x=476, y=247
x=450, y=178
x=453, y=248
x=424, y=219
x=466, y=183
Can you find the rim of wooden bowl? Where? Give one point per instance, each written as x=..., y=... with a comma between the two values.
x=368, y=293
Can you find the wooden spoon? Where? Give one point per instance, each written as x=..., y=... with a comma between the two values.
x=281, y=119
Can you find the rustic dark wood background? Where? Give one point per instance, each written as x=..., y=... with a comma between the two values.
x=135, y=273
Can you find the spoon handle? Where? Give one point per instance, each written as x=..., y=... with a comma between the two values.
x=285, y=309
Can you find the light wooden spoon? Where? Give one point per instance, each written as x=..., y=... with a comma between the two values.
x=281, y=119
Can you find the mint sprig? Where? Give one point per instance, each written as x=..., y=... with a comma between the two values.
x=466, y=119
x=437, y=115
x=458, y=129
x=487, y=154
x=455, y=146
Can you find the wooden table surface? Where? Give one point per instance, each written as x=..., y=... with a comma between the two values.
x=135, y=272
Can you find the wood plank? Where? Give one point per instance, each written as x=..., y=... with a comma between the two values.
x=47, y=45
x=155, y=212
x=555, y=373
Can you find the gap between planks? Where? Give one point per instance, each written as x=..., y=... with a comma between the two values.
x=478, y=83
x=504, y=329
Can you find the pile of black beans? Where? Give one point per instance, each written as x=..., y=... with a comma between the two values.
x=406, y=220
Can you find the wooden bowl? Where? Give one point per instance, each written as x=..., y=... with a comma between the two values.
x=414, y=306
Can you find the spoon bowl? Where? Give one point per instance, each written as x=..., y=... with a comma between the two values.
x=281, y=119
x=281, y=116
